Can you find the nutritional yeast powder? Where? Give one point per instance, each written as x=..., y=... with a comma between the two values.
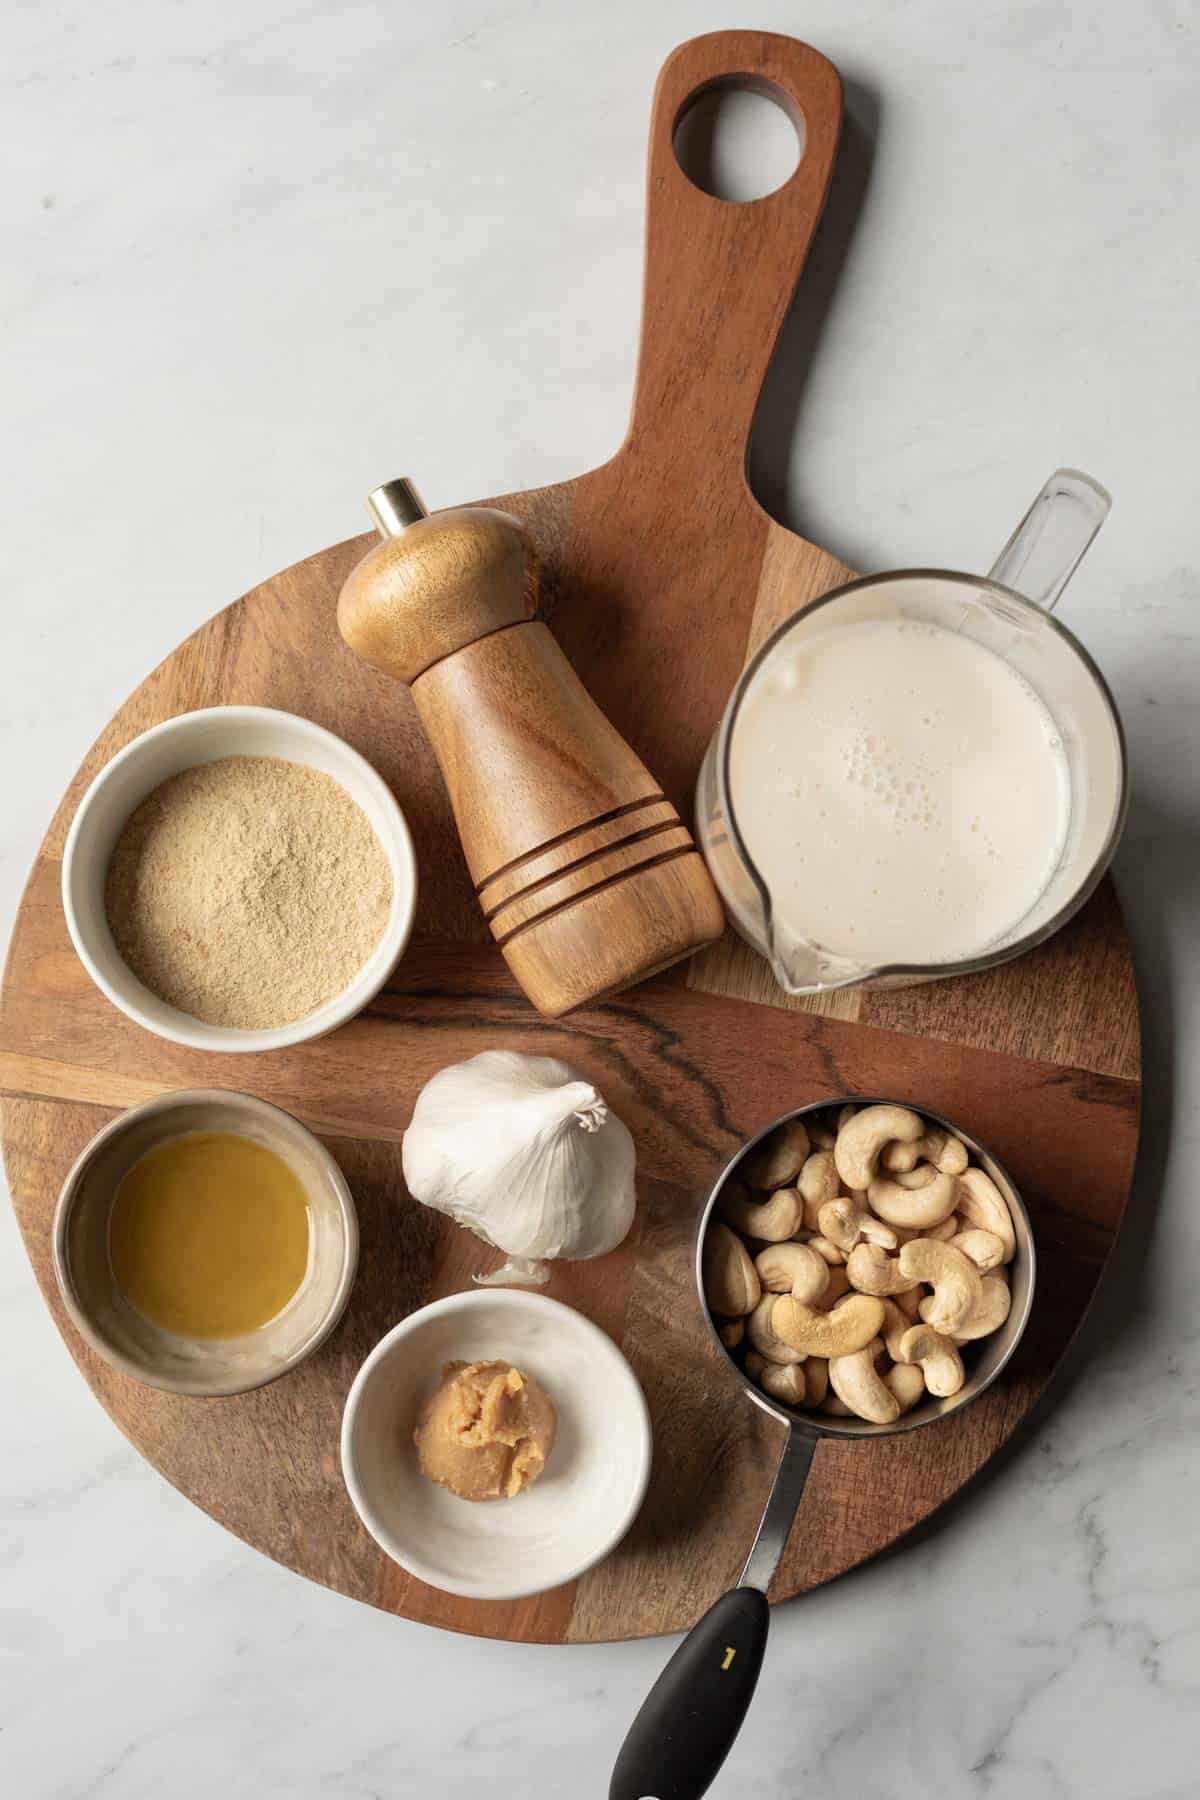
x=248, y=892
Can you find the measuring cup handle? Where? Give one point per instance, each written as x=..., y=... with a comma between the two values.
x=1048, y=545
x=694, y=1711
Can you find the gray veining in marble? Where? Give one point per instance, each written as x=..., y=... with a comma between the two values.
x=222, y=224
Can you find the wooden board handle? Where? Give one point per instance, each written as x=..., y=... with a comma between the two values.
x=720, y=274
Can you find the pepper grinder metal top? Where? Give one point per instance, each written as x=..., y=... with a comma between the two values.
x=396, y=505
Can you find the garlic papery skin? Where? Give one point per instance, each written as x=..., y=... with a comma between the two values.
x=524, y=1152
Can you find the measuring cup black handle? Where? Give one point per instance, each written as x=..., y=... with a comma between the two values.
x=695, y=1709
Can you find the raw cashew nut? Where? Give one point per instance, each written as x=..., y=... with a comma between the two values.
x=845, y=1114
x=731, y=1284
x=849, y=1327
x=995, y=1304
x=754, y=1364
x=793, y=1269
x=907, y=1382
x=732, y=1333
x=948, y=1229
x=947, y=1153
x=862, y=1137
x=818, y=1184
x=835, y=1407
x=816, y=1379
x=872, y=1271
x=771, y=1220
x=953, y=1276
x=898, y=1159
x=916, y=1206
x=763, y=1338
x=839, y=1284
x=778, y=1162
x=844, y=1222
x=827, y=1251
x=916, y=1178
x=895, y=1324
x=981, y=1203
x=853, y=1379
x=940, y=1361
x=820, y=1132
x=984, y=1248
x=909, y=1303
x=786, y=1384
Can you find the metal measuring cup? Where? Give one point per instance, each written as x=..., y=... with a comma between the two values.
x=694, y=1711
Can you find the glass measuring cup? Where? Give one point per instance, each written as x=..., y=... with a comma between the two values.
x=1009, y=612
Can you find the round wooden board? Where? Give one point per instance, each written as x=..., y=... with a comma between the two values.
x=1040, y=1059
x=659, y=563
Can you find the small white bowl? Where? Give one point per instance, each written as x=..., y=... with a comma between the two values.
x=168, y=749
x=581, y=1505
x=120, y=1334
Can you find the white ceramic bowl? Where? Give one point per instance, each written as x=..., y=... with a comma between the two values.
x=582, y=1504
x=168, y=749
x=131, y=1343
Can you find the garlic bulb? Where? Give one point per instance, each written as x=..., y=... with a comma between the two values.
x=525, y=1153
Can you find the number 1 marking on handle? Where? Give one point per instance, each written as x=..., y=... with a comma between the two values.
x=730, y=1653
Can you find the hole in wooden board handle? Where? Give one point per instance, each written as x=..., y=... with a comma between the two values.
x=739, y=139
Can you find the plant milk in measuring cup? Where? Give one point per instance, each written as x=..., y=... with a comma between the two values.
x=902, y=790
x=922, y=773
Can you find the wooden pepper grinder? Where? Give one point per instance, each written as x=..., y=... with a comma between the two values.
x=585, y=873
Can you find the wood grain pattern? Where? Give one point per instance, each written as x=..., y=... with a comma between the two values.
x=661, y=573
x=434, y=586
x=534, y=772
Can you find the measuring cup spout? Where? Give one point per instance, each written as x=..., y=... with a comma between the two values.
x=799, y=965
x=1048, y=545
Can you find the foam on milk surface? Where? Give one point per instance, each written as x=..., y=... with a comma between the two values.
x=902, y=790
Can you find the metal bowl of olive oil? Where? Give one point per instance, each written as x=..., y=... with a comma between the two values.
x=205, y=1242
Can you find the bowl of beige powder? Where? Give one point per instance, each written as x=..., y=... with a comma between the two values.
x=239, y=879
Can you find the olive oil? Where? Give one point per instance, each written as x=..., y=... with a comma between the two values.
x=209, y=1235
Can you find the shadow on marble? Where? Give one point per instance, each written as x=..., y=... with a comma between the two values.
x=780, y=413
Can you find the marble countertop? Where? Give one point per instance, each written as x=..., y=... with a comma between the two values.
x=261, y=256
